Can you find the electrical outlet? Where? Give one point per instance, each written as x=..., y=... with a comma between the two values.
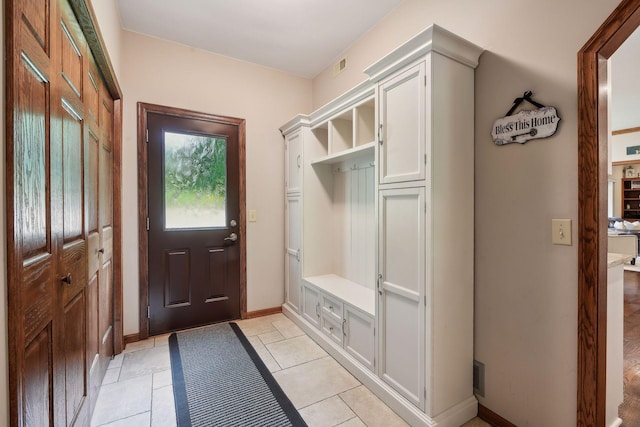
x=561, y=232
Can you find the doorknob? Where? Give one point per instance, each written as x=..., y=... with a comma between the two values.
x=101, y=250
x=67, y=279
x=232, y=237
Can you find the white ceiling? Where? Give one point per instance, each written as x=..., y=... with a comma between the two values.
x=625, y=84
x=302, y=37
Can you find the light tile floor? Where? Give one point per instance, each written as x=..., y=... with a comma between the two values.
x=137, y=388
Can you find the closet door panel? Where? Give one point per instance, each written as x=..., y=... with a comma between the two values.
x=402, y=277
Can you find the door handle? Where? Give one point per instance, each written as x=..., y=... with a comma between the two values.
x=232, y=237
x=101, y=250
x=67, y=279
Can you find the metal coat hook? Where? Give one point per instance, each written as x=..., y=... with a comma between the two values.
x=518, y=101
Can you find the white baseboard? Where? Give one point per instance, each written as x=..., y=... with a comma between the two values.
x=453, y=417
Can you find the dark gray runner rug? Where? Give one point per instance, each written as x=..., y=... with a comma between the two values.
x=219, y=380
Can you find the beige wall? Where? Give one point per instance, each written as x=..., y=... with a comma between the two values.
x=165, y=73
x=525, y=288
x=108, y=16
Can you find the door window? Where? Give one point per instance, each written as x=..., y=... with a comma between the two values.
x=195, y=181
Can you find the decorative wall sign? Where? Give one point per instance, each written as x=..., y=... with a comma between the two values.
x=633, y=150
x=525, y=125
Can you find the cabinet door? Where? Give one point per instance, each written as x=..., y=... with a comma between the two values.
x=311, y=305
x=359, y=336
x=401, y=285
x=293, y=231
x=402, y=122
x=293, y=159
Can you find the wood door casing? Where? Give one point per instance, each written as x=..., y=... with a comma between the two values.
x=592, y=209
x=47, y=131
x=143, y=110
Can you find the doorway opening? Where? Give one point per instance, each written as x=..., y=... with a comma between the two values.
x=191, y=195
x=592, y=210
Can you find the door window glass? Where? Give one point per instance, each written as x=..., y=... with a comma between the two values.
x=195, y=181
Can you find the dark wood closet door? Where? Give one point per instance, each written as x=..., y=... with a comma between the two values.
x=53, y=142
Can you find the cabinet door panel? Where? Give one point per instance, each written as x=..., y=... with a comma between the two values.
x=292, y=258
x=402, y=114
x=359, y=340
x=311, y=305
x=294, y=162
x=401, y=262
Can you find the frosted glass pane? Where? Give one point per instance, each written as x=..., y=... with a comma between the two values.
x=195, y=181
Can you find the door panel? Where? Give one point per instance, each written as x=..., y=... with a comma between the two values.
x=37, y=402
x=402, y=110
x=311, y=305
x=402, y=242
x=359, y=340
x=105, y=229
x=218, y=282
x=75, y=353
x=194, y=206
x=31, y=153
x=294, y=162
x=177, y=274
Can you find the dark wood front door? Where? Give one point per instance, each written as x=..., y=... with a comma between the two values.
x=193, y=222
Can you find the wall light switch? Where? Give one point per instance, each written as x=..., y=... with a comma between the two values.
x=253, y=216
x=561, y=232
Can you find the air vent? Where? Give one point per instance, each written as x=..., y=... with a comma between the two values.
x=340, y=66
x=478, y=378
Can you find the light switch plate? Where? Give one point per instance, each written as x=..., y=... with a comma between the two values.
x=561, y=232
x=253, y=216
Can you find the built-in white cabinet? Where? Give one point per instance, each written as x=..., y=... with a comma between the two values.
x=331, y=304
x=384, y=192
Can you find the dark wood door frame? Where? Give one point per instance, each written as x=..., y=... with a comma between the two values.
x=143, y=209
x=592, y=210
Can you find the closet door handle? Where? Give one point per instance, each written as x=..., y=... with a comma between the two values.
x=318, y=309
x=298, y=255
x=344, y=321
x=379, y=279
x=298, y=161
x=67, y=279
